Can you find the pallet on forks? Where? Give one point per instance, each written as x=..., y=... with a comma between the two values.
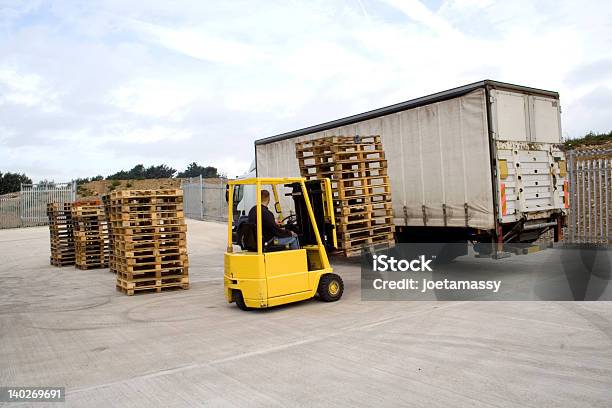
x=61, y=234
x=361, y=189
x=90, y=235
x=149, y=246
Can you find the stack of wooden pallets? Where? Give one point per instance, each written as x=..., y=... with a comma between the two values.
x=111, y=256
x=357, y=169
x=149, y=239
x=61, y=233
x=90, y=235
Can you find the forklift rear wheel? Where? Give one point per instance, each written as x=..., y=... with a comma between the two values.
x=330, y=287
x=239, y=299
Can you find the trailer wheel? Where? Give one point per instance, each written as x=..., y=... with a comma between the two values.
x=239, y=299
x=331, y=287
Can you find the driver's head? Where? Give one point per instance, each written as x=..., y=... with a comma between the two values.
x=265, y=197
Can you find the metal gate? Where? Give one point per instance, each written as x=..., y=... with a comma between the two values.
x=29, y=207
x=590, y=179
x=204, y=199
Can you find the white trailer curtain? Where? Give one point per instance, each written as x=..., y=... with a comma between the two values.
x=438, y=159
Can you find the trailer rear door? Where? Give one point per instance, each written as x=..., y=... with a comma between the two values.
x=531, y=170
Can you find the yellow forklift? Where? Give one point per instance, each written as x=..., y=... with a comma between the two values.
x=260, y=274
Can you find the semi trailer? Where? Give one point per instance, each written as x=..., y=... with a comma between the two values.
x=482, y=162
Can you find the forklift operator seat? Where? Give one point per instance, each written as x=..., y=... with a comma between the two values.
x=247, y=236
x=247, y=239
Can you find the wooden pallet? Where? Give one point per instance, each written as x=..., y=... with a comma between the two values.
x=357, y=180
x=177, y=267
x=157, y=260
x=333, y=174
x=333, y=159
x=352, y=223
x=149, y=242
x=358, y=243
x=361, y=188
x=337, y=141
x=348, y=193
x=347, y=235
x=152, y=275
x=344, y=166
x=324, y=150
x=157, y=285
x=145, y=216
x=147, y=224
x=62, y=261
x=156, y=195
x=95, y=265
x=372, y=247
x=382, y=208
x=130, y=243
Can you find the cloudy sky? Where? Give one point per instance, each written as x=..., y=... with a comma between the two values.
x=92, y=87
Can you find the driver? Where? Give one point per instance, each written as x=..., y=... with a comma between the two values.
x=270, y=230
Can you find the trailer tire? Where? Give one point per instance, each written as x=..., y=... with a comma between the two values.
x=330, y=288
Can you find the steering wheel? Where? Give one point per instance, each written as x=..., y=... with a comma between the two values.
x=290, y=219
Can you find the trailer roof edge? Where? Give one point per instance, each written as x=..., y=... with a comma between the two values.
x=398, y=107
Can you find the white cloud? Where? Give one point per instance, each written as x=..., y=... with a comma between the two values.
x=230, y=166
x=198, y=43
x=143, y=135
x=116, y=83
x=153, y=98
x=25, y=89
x=418, y=12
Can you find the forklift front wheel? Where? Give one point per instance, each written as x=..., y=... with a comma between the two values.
x=239, y=299
x=330, y=287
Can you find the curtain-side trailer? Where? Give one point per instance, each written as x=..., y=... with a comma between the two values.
x=481, y=163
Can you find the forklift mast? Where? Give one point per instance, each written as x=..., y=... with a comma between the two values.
x=321, y=209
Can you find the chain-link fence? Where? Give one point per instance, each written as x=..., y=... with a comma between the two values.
x=204, y=198
x=29, y=207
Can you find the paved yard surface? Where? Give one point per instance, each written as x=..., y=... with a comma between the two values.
x=67, y=327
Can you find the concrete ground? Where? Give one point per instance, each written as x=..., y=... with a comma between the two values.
x=71, y=328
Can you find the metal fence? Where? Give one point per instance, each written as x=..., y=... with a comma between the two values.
x=204, y=199
x=9, y=211
x=29, y=207
x=590, y=179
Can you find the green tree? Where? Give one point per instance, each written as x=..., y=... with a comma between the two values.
x=140, y=172
x=120, y=175
x=195, y=170
x=84, y=180
x=590, y=138
x=161, y=171
x=11, y=182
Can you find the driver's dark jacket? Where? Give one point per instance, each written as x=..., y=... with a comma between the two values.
x=269, y=228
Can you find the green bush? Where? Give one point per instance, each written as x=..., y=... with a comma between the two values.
x=589, y=139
